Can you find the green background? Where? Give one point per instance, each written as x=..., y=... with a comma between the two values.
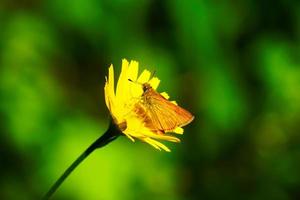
x=234, y=64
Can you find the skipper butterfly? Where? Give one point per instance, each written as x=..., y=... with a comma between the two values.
x=158, y=113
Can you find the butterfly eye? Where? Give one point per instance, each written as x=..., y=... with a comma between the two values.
x=145, y=88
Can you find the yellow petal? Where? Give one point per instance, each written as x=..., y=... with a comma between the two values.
x=178, y=130
x=148, y=133
x=154, y=82
x=144, y=77
x=164, y=94
x=109, y=88
x=111, y=81
x=174, y=102
x=122, y=86
x=151, y=142
x=107, y=97
x=133, y=70
x=131, y=138
x=157, y=144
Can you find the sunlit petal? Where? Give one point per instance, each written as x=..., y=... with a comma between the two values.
x=154, y=82
x=144, y=77
x=164, y=94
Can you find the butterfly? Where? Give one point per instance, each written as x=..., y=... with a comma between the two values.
x=158, y=113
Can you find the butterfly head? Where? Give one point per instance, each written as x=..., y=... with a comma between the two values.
x=146, y=87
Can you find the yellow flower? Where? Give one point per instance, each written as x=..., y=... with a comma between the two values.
x=121, y=101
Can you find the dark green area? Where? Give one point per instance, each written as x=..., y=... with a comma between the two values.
x=234, y=64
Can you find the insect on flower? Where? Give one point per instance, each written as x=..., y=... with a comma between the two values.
x=159, y=114
x=139, y=110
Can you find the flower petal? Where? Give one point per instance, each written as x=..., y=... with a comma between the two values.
x=157, y=136
x=154, y=82
x=109, y=89
x=164, y=94
x=128, y=135
x=174, y=102
x=122, y=86
x=178, y=130
x=133, y=70
x=157, y=144
x=144, y=77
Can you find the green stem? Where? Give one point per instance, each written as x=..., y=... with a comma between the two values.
x=111, y=134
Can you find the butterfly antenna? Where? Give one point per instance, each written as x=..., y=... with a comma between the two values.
x=152, y=74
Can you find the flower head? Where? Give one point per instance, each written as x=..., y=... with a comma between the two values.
x=127, y=101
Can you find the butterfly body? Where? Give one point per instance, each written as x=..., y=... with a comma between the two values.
x=158, y=113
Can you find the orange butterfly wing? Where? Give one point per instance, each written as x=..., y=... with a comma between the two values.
x=161, y=114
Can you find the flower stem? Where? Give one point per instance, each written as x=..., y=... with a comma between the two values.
x=111, y=134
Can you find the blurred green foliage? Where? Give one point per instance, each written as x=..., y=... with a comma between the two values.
x=235, y=65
